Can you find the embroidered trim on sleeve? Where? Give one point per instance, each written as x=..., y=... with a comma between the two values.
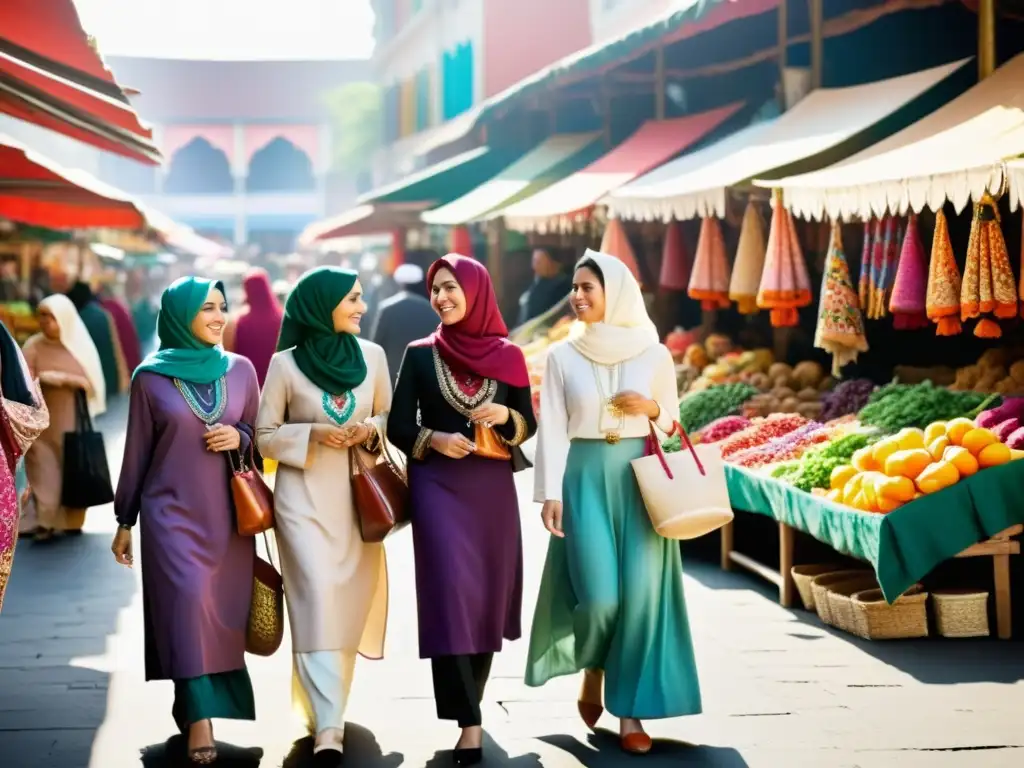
x=422, y=444
x=520, y=424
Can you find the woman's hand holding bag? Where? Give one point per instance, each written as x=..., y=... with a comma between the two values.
x=685, y=493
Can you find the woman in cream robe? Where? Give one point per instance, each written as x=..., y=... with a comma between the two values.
x=336, y=585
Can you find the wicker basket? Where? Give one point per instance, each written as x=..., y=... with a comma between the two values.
x=803, y=575
x=840, y=599
x=961, y=612
x=819, y=589
x=875, y=619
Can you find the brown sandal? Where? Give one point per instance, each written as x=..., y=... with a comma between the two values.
x=203, y=755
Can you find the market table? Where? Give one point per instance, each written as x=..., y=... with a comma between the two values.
x=974, y=518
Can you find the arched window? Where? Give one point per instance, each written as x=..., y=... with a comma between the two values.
x=280, y=167
x=199, y=168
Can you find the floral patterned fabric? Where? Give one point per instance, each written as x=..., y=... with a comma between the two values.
x=709, y=283
x=910, y=290
x=988, y=286
x=943, y=304
x=840, y=328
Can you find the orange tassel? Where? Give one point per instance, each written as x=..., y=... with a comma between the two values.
x=948, y=326
x=784, y=317
x=988, y=329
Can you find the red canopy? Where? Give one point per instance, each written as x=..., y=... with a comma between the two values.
x=51, y=75
x=35, y=190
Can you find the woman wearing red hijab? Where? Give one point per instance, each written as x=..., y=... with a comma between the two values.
x=470, y=386
x=253, y=334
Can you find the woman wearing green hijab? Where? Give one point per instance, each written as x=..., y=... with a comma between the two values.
x=326, y=390
x=190, y=401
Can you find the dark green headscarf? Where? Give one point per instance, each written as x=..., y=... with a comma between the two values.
x=181, y=355
x=333, y=361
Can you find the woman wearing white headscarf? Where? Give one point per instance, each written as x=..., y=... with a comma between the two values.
x=64, y=359
x=611, y=600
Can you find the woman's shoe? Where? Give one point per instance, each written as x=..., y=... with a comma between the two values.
x=638, y=743
x=590, y=710
x=468, y=756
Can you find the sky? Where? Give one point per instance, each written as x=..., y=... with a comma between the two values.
x=230, y=29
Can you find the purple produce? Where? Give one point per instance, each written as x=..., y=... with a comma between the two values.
x=848, y=397
x=1006, y=428
x=1011, y=408
x=1016, y=439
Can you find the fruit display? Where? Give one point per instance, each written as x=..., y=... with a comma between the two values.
x=536, y=354
x=815, y=467
x=786, y=447
x=785, y=389
x=848, y=397
x=719, y=429
x=716, y=362
x=915, y=462
x=895, y=406
x=20, y=320
x=760, y=432
x=698, y=409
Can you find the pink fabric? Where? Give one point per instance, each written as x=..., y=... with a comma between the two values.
x=126, y=333
x=675, y=261
x=910, y=289
x=479, y=342
x=258, y=328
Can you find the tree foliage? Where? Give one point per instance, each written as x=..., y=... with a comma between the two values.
x=356, y=111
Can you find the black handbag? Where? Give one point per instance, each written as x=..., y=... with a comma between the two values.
x=85, y=480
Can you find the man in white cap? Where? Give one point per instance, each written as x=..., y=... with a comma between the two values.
x=403, y=318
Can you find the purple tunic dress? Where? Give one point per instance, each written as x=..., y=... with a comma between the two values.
x=196, y=570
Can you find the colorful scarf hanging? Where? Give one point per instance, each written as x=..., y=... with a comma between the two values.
x=910, y=290
x=840, y=328
x=749, y=264
x=884, y=255
x=943, y=304
x=988, y=277
x=1020, y=289
x=785, y=286
x=709, y=283
x=616, y=243
x=675, y=261
x=865, y=262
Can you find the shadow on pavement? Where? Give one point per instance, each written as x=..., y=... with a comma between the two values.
x=173, y=754
x=62, y=604
x=601, y=750
x=361, y=749
x=494, y=755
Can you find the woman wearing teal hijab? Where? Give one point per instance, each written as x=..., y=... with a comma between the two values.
x=191, y=401
x=326, y=390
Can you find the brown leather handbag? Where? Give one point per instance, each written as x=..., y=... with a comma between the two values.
x=380, y=493
x=489, y=445
x=254, y=501
x=265, y=628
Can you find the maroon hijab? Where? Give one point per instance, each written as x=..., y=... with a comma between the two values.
x=257, y=329
x=478, y=343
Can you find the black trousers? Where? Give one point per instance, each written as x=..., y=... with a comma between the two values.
x=459, y=686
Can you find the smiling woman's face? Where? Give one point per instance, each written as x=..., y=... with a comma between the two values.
x=349, y=313
x=587, y=297
x=208, y=325
x=447, y=297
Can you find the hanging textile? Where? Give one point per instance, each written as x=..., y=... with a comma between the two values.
x=910, y=290
x=460, y=241
x=840, y=328
x=988, y=278
x=675, y=261
x=943, y=304
x=1020, y=289
x=616, y=243
x=785, y=286
x=749, y=264
x=709, y=283
x=884, y=255
x=865, y=262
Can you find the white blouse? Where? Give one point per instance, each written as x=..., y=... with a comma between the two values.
x=573, y=399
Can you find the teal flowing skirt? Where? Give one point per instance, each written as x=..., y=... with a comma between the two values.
x=611, y=595
x=225, y=695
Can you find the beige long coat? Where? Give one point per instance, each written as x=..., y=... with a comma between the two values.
x=336, y=586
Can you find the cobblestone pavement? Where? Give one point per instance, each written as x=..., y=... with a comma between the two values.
x=780, y=691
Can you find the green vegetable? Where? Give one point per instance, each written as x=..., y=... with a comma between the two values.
x=699, y=409
x=814, y=469
x=896, y=406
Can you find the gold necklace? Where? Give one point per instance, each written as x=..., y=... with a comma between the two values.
x=613, y=434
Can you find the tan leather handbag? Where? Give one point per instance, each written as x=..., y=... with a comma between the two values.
x=254, y=501
x=489, y=445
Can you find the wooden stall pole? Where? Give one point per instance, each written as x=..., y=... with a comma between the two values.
x=787, y=542
x=727, y=546
x=783, y=41
x=986, y=38
x=817, y=41
x=659, y=83
x=495, y=248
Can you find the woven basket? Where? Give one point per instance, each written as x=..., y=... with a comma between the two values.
x=875, y=619
x=803, y=575
x=819, y=590
x=840, y=599
x=961, y=613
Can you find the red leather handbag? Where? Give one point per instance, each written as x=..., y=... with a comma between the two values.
x=254, y=501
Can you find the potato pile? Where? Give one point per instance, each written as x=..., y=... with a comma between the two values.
x=786, y=389
x=998, y=371
x=717, y=362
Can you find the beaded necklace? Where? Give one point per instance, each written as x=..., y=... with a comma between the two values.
x=208, y=412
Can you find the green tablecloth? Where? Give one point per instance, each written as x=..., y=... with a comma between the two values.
x=904, y=545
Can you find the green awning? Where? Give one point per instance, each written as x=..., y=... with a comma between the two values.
x=445, y=181
x=553, y=159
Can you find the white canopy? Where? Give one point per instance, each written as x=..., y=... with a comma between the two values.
x=954, y=154
x=696, y=184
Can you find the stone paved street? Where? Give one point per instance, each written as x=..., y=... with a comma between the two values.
x=780, y=691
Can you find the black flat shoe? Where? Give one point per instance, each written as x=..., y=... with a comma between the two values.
x=470, y=756
x=328, y=758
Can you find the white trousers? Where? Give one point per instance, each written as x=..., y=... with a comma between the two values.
x=321, y=682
